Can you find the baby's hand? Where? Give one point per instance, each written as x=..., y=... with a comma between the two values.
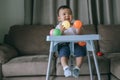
x=78, y=25
x=62, y=29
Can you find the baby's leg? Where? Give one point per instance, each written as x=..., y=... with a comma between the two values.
x=64, y=61
x=64, y=53
x=79, y=61
x=80, y=52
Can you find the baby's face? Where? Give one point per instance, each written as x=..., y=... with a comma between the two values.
x=65, y=14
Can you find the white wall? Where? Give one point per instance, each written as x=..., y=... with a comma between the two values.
x=11, y=13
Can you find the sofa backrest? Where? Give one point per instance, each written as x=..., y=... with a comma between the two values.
x=29, y=39
x=88, y=29
x=91, y=29
x=110, y=38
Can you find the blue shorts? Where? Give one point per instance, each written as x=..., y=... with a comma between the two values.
x=64, y=50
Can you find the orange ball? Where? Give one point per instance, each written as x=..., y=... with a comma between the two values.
x=81, y=43
x=77, y=24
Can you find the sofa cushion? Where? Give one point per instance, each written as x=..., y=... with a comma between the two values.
x=28, y=66
x=28, y=78
x=103, y=66
x=115, y=66
x=6, y=53
x=83, y=77
x=110, y=38
x=88, y=29
x=29, y=39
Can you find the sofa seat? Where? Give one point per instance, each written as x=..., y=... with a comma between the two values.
x=27, y=66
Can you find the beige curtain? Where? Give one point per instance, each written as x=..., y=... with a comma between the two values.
x=97, y=11
x=88, y=11
x=42, y=11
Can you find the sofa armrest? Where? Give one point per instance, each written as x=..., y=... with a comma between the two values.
x=6, y=53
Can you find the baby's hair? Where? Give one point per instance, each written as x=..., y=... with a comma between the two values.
x=63, y=7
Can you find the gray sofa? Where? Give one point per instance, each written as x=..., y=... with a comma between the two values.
x=24, y=54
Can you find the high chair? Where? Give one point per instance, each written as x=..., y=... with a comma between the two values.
x=54, y=40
